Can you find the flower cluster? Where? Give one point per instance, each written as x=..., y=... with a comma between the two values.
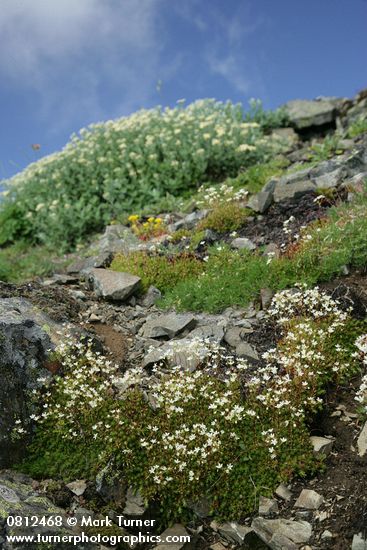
x=152, y=227
x=361, y=395
x=76, y=398
x=309, y=303
x=213, y=195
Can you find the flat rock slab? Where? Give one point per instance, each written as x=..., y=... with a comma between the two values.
x=282, y=533
x=134, y=505
x=267, y=506
x=179, y=353
x=242, y=243
x=321, y=445
x=113, y=285
x=261, y=201
x=233, y=532
x=168, y=325
x=214, y=333
x=309, y=499
x=359, y=543
x=285, y=191
x=305, y=114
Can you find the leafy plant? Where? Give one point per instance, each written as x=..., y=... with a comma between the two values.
x=266, y=119
x=325, y=150
x=357, y=127
x=120, y=166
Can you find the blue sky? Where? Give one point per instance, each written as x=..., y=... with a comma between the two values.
x=67, y=63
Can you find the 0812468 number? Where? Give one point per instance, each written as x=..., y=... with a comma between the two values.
x=34, y=521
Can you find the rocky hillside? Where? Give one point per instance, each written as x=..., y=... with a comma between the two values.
x=199, y=366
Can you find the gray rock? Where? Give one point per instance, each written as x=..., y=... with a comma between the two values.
x=292, y=191
x=326, y=535
x=233, y=532
x=77, y=487
x=78, y=294
x=189, y=221
x=286, y=136
x=134, y=505
x=321, y=445
x=359, y=543
x=303, y=113
x=116, y=238
x=309, y=499
x=261, y=201
x=294, y=177
x=214, y=333
x=113, y=285
x=26, y=334
x=266, y=296
x=269, y=186
x=247, y=351
x=201, y=507
x=83, y=265
x=267, y=506
x=362, y=441
x=168, y=325
x=177, y=530
x=18, y=498
x=283, y=492
x=111, y=486
x=330, y=180
x=175, y=354
x=234, y=336
x=281, y=534
x=151, y=296
x=241, y=243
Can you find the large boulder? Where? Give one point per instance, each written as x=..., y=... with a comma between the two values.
x=25, y=336
x=305, y=114
x=168, y=325
x=113, y=285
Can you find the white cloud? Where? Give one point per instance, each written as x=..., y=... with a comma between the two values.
x=227, y=52
x=231, y=69
x=68, y=50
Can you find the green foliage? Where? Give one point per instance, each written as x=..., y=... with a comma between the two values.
x=161, y=271
x=180, y=234
x=231, y=279
x=357, y=127
x=255, y=177
x=225, y=217
x=120, y=166
x=235, y=278
x=325, y=150
x=266, y=119
x=20, y=262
